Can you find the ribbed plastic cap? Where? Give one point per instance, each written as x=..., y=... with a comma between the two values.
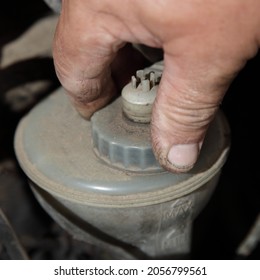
x=122, y=143
x=121, y=131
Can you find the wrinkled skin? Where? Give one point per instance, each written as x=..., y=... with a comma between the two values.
x=205, y=44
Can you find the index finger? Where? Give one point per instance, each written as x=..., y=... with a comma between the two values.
x=83, y=50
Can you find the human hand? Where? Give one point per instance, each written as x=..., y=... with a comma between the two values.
x=205, y=43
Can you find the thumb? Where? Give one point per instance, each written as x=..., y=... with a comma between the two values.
x=187, y=100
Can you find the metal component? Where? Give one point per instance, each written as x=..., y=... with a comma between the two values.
x=150, y=211
x=139, y=95
x=10, y=241
x=251, y=240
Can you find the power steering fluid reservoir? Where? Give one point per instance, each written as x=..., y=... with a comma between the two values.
x=100, y=181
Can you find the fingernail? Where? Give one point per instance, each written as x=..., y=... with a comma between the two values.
x=183, y=156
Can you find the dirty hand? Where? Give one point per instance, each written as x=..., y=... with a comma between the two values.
x=205, y=43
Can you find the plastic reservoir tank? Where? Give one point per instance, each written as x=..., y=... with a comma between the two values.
x=101, y=182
